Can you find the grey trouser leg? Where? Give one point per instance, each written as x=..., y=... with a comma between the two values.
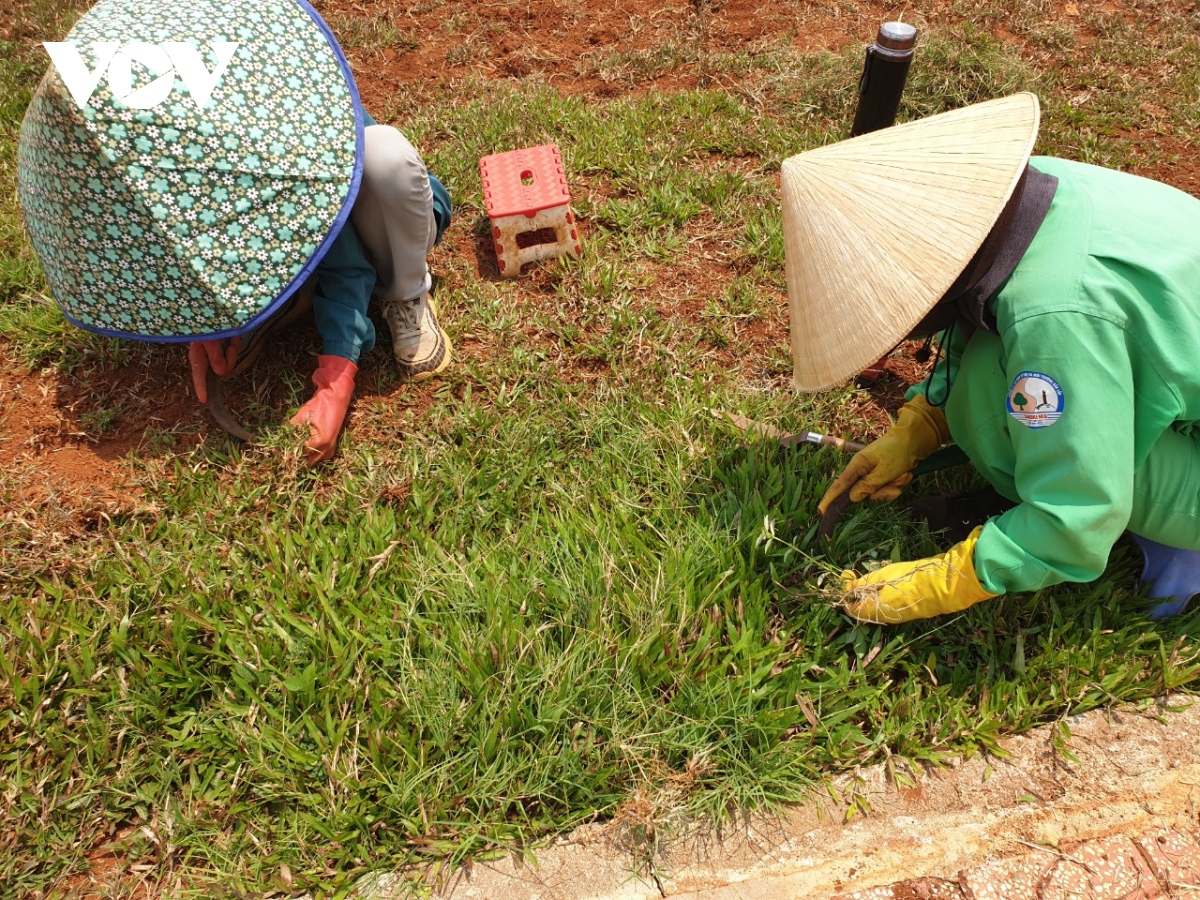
x=393, y=214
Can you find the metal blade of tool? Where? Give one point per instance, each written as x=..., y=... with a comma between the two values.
x=221, y=415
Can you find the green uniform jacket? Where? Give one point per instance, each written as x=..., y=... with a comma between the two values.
x=1084, y=407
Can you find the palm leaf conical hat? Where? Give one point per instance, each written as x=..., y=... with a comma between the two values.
x=878, y=227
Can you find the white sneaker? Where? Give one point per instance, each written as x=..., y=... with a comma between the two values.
x=422, y=348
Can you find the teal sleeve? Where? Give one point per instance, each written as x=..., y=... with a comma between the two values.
x=936, y=388
x=442, y=209
x=1074, y=474
x=345, y=281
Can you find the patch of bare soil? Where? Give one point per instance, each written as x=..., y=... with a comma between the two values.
x=69, y=437
x=44, y=433
x=111, y=874
x=1181, y=171
x=585, y=47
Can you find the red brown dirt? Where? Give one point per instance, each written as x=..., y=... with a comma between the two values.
x=110, y=874
x=39, y=425
x=564, y=42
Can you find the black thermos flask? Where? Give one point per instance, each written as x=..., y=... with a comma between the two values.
x=884, y=72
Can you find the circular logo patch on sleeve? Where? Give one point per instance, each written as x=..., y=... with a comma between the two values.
x=1035, y=400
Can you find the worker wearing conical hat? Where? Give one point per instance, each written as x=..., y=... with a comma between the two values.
x=1068, y=301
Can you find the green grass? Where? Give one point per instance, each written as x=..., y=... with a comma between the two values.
x=376, y=33
x=500, y=627
x=558, y=585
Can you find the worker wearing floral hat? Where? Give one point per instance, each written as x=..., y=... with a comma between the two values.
x=209, y=205
x=1068, y=301
x=400, y=214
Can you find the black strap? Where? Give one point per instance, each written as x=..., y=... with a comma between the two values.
x=995, y=260
x=1002, y=250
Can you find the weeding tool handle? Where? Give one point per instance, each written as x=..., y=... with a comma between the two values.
x=946, y=458
x=829, y=440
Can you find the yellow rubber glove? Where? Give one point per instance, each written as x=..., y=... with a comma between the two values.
x=881, y=470
x=905, y=591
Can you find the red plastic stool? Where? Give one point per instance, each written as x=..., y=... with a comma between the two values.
x=526, y=191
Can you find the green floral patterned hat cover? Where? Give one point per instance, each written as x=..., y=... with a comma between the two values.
x=175, y=223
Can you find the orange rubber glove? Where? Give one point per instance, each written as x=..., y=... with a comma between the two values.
x=905, y=591
x=326, y=411
x=882, y=469
x=203, y=355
